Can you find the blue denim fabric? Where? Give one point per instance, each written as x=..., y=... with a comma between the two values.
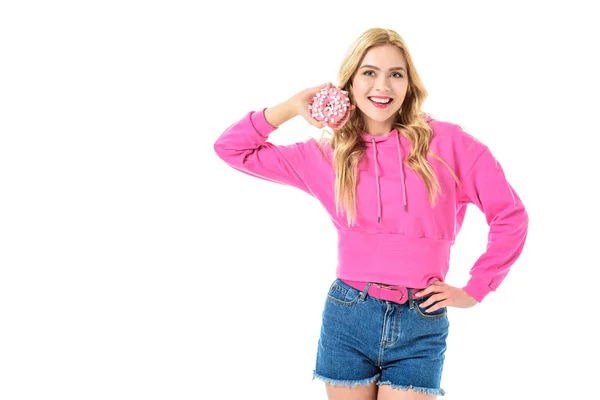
x=364, y=340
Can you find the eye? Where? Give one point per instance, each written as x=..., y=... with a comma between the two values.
x=397, y=74
x=368, y=72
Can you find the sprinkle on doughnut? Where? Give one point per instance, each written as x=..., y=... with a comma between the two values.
x=330, y=105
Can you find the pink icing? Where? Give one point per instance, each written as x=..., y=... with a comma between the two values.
x=330, y=105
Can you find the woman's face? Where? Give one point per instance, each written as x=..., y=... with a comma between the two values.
x=379, y=86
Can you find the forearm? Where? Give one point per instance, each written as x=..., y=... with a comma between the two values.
x=281, y=113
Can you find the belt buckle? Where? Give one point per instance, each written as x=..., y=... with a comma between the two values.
x=395, y=288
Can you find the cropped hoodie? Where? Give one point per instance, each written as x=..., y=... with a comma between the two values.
x=398, y=238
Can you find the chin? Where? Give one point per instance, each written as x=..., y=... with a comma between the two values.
x=379, y=118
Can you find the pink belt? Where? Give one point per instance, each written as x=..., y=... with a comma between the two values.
x=395, y=293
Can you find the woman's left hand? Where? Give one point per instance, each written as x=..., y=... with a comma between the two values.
x=446, y=295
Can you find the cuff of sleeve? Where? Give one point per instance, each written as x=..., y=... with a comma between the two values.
x=477, y=289
x=260, y=123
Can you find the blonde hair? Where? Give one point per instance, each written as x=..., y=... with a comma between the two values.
x=346, y=142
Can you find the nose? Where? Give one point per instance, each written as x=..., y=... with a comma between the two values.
x=383, y=84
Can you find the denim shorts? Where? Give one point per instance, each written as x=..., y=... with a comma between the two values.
x=364, y=340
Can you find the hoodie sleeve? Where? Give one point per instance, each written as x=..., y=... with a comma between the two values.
x=244, y=147
x=485, y=185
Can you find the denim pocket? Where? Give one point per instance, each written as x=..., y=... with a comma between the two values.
x=437, y=314
x=341, y=293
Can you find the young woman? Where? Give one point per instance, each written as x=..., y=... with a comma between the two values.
x=396, y=183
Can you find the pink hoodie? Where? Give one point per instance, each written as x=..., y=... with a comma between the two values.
x=398, y=239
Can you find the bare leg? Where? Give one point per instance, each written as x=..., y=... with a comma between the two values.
x=352, y=393
x=386, y=392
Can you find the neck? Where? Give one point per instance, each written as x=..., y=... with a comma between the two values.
x=379, y=129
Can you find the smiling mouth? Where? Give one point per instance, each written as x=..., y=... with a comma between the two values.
x=380, y=103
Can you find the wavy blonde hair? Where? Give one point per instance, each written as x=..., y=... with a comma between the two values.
x=346, y=142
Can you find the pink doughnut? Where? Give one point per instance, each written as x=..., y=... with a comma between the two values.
x=331, y=105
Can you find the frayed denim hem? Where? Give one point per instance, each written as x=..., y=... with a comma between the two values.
x=435, y=392
x=346, y=383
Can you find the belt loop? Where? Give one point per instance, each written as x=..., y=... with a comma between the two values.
x=363, y=294
x=411, y=302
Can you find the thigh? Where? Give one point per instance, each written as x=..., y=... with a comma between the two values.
x=386, y=392
x=352, y=393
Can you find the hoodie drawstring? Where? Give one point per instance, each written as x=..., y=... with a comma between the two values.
x=377, y=176
x=401, y=171
x=377, y=181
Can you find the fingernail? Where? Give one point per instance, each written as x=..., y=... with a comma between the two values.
x=418, y=294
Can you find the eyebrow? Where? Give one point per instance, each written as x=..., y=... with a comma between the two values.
x=375, y=68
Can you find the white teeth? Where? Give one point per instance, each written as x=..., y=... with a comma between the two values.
x=381, y=101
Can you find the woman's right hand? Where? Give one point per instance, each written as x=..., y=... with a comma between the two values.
x=301, y=101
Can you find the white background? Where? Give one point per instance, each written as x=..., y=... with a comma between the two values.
x=135, y=264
